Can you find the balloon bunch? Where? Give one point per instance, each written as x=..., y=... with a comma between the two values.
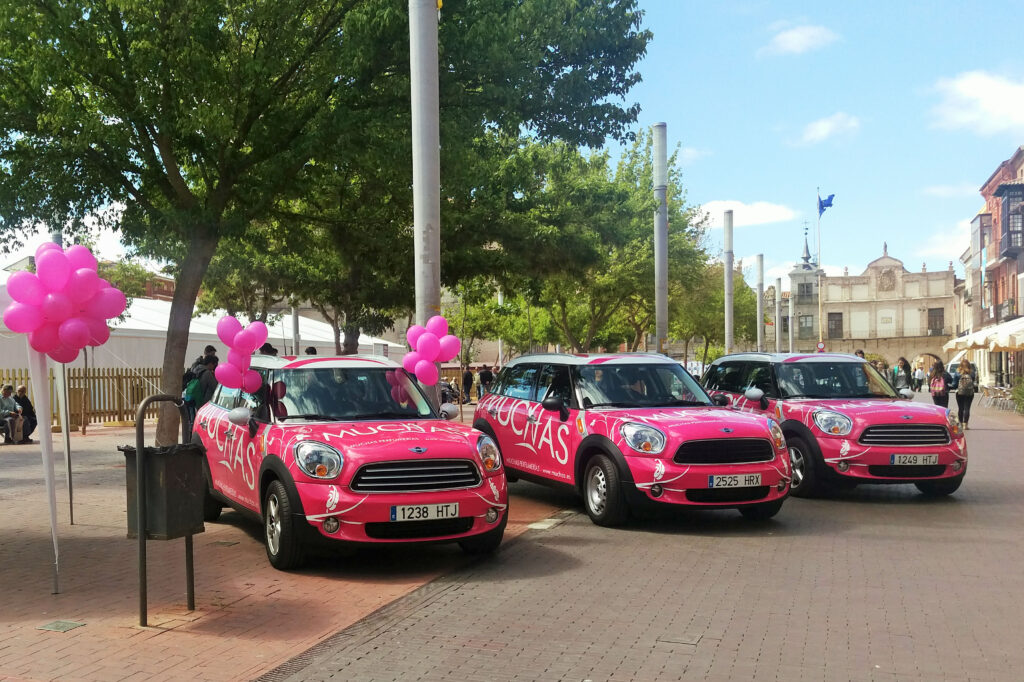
x=430, y=344
x=241, y=343
x=64, y=306
x=396, y=380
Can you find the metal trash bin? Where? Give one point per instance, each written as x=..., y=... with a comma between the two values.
x=174, y=491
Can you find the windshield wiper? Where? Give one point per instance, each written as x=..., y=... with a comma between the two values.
x=387, y=415
x=320, y=417
x=808, y=395
x=618, y=405
x=685, y=403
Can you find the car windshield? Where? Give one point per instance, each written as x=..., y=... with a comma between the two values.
x=654, y=385
x=831, y=380
x=341, y=394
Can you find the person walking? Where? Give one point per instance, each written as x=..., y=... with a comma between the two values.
x=467, y=385
x=207, y=380
x=486, y=377
x=966, y=382
x=901, y=374
x=939, y=382
x=28, y=413
x=918, y=379
x=10, y=412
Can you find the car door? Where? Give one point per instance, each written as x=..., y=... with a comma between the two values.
x=727, y=377
x=553, y=439
x=511, y=414
x=217, y=435
x=760, y=376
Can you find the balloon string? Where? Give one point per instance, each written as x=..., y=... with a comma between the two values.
x=131, y=369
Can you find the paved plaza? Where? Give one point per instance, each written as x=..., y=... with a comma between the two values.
x=876, y=584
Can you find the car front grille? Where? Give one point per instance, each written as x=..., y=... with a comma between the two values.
x=905, y=434
x=907, y=471
x=416, y=475
x=727, y=494
x=411, y=530
x=725, y=451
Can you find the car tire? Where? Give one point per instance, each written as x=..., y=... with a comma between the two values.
x=485, y=543
x=602, y=492
x=763, y=511
x=804, y=467
x=940, y=488
x=212, y=507
x=283, y=547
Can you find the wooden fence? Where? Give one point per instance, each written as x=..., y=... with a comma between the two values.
x=97, y=395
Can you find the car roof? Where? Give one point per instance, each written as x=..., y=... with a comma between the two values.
x=322, y=362
x=790, y=357
x=593, y=359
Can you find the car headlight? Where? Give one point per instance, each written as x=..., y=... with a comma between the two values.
x=777, y=436
x=490, y=456
x=643, y=438
x=833, y=423
x=954, y=424
x=318, y=459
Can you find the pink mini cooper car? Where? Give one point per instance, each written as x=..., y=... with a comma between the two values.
x=845, y=424
x=324, y=454
x=632, y=429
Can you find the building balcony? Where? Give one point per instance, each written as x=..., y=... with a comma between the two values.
x=807, y=299
x=1011, y=244
x=804, y=334
x=1007, y=310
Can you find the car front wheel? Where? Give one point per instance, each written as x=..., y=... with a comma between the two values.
x=487, y=542
x=761, y=512
x=602, y=493
x=283, y=547
x=945, y=486
x=804, y=471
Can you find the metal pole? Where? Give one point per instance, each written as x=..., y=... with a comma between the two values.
x=760, y=303
x=661, y=236
x=817, y=208
x=728, y=281
x=61, y=376
x=792, y=318
x=501, y=342
x=295, y=332
x=778, y=314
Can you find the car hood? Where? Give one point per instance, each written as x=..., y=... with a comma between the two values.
x=389, y=438
x=688, y=423
x=879, y=411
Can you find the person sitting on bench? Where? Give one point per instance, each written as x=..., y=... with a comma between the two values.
x=28, y=412
x=10, y=412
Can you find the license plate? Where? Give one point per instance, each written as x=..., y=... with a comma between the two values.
x=424, y=512
x=913, y=459
x=734, y=481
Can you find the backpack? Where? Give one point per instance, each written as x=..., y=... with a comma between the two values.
x=191, y=393
x=965, y=386
x=937, y=386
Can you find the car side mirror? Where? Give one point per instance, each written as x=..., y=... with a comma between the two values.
x=449, y=411
x=720, y=399
x=242, y=416
x=906, y=394
x=756, y=395
x=554, y=403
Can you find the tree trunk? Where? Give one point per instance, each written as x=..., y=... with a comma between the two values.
x=351, y=344
x=706, y=343
x=186, y=290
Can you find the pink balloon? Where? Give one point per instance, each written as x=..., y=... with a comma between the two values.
x=426, y=372
x=227, y=328
x=56, y=307
x=228, y=375
x=246, y=341
x=260, y=330
x=107, y=303
x=389, y=376
x=74, y=333
x=450, y=347
x=45, y=339
x=25, y=287
x=403, y=395
x=412, y=334
x=82, y=285
x=47, y=246
x=104, y=283
x=64, y=354
x=80, y=257
x=239, y=359
x=428, y=346
x=53, y=269
x=437, y=325
x=251, y=381
x=99, y=332
x=23, y=318
x=410, y=360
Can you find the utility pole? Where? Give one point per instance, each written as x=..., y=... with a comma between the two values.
x=426, y=159
x=661, y=236
x=760, y=303
x=792, y=317
x=295, y=331
x=778, y=314
x=728, y=281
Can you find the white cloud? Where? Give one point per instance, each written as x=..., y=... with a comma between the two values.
x=688, y=155
x=952, y=191
x=757, y=213
x=837, y=124
x=946, y=244
x=981, y=102
x=798, y=39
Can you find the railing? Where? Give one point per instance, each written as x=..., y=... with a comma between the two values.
x=97, y=395
x=806, y=299
x=1007, y=309
x=805, y=334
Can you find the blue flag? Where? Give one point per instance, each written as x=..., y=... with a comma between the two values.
x=824, y=203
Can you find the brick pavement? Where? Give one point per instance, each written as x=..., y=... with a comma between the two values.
x=878, y=583
x=249, y=617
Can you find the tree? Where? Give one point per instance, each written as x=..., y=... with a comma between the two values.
x=199, y=116
x=702, y=313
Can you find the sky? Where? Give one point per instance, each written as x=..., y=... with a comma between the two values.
x=901, y=109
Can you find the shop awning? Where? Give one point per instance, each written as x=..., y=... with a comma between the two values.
x=1005, y=336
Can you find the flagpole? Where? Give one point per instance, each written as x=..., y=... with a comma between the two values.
x=821, y=336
